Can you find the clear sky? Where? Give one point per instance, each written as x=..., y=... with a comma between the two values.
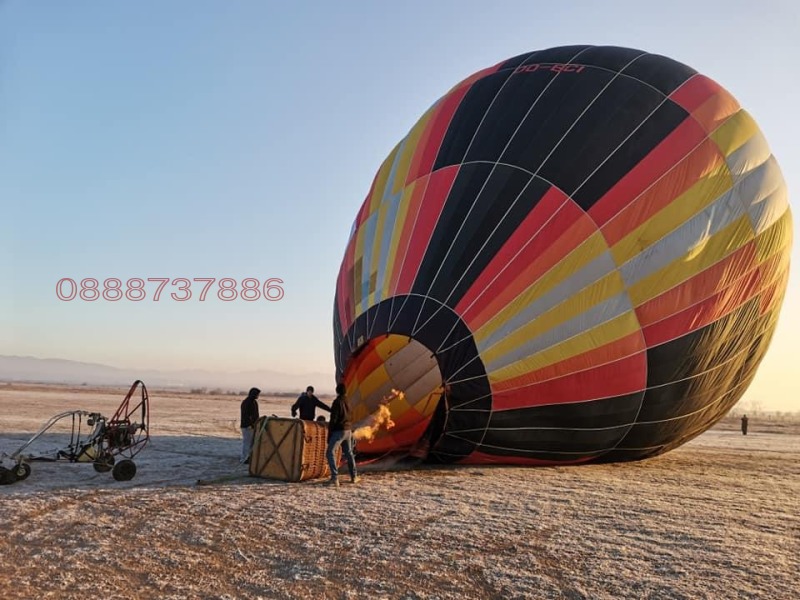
x=235, y=138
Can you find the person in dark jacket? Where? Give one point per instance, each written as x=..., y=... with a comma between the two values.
x=744, y=425
x=307, y=403
x=249, y=416
x=340, y=434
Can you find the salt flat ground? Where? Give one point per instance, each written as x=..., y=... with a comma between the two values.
x=716, y=518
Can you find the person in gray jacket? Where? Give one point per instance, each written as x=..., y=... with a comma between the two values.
x=249, y=416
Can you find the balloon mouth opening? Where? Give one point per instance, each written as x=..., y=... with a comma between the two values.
x=395, y=387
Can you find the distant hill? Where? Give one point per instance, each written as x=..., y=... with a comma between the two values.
x=56, y=370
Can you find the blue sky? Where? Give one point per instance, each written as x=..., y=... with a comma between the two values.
x=239, y=138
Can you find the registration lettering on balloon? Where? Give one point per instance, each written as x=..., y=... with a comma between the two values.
x=556, y=67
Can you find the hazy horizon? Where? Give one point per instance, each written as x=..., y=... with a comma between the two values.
x=27, y=369
x=300, y=381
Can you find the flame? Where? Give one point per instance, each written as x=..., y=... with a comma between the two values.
x=380, y=418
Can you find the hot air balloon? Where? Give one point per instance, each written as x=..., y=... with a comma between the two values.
x=576, y=255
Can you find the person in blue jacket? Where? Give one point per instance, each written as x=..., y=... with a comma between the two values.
x=307, y=403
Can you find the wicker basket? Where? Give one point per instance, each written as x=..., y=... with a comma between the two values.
x=289, y=449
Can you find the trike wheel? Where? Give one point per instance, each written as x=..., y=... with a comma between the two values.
x=124, y=470
x=7, y=476
x=21, y=471
x=104, y=463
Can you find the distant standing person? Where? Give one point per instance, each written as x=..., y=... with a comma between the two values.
x=340, y=434
x=307, y=403
x=249, y=417
x=744, y=424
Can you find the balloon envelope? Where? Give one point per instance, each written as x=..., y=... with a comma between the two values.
x=578, y=254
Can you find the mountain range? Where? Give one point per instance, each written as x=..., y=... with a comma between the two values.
x=55, y=370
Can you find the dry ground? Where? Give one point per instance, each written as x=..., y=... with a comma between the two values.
x=717, y=518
